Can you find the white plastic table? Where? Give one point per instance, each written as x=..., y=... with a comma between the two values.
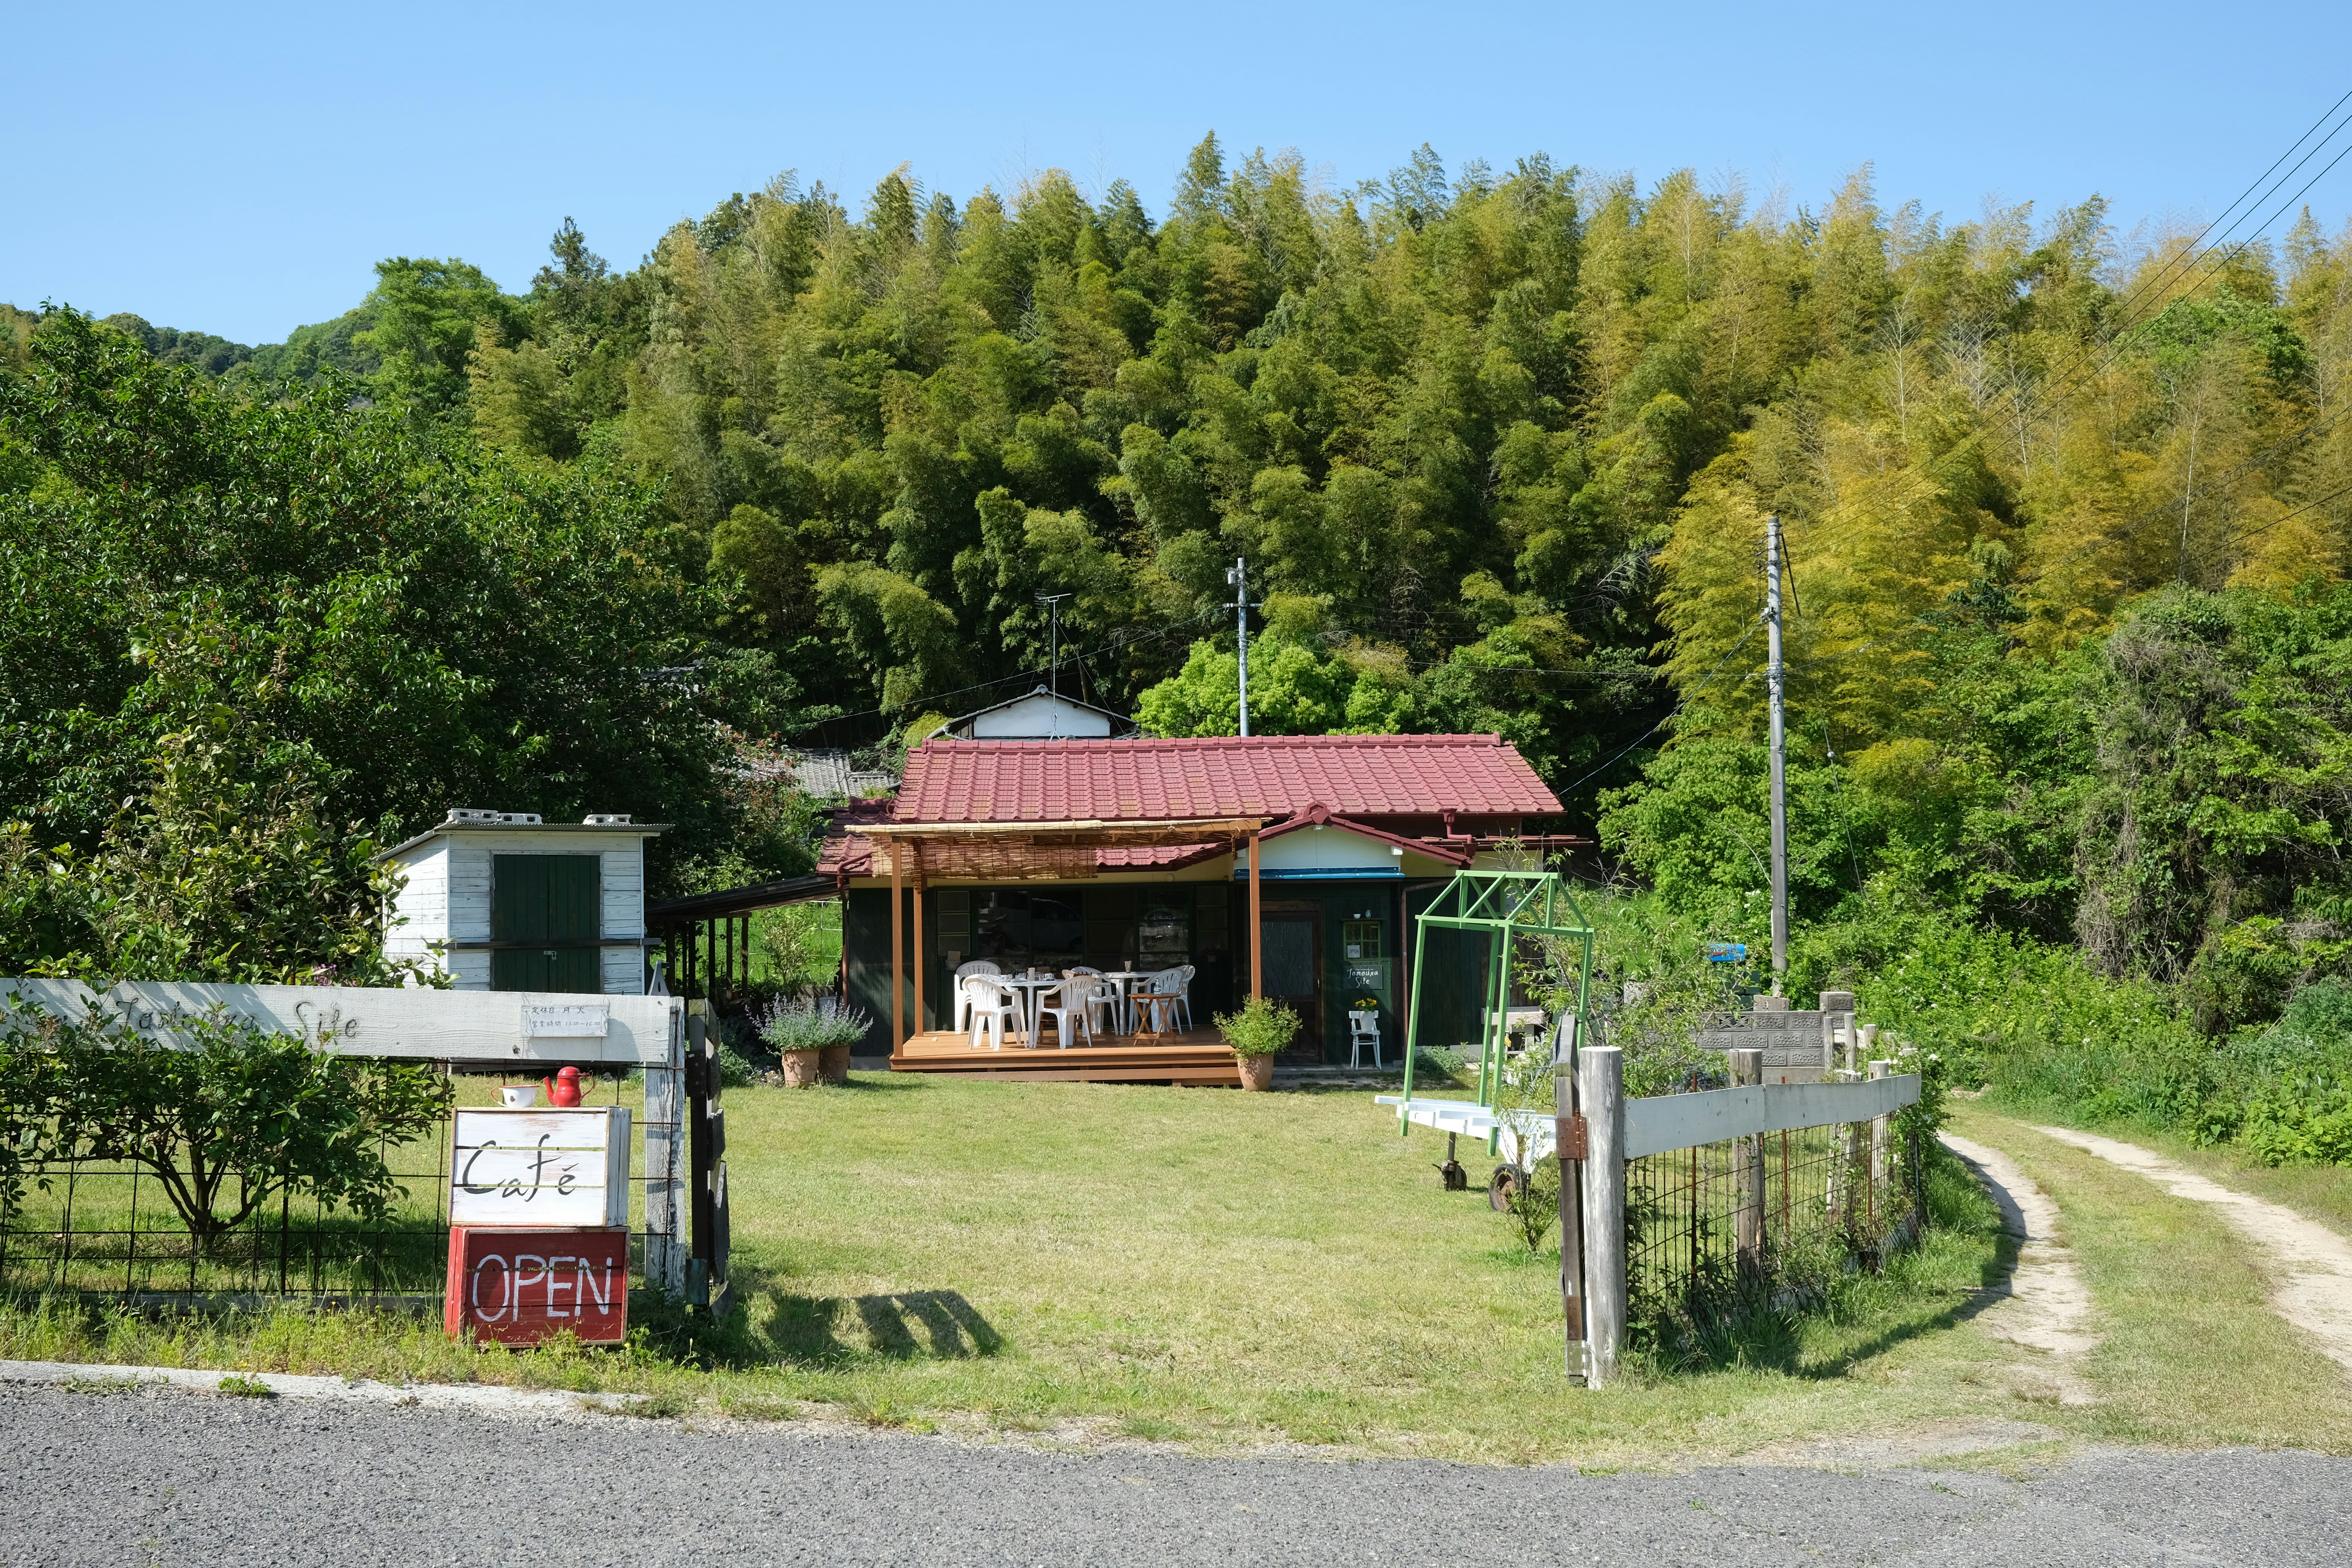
x=1029, y=990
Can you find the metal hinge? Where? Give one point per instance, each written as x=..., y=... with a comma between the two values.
x=1573, y=1134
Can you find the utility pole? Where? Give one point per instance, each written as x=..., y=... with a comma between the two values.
x=1774, y=688
x=1237, y=575
x=1053, y=603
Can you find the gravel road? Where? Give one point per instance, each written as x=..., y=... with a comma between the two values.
x=168, y=1478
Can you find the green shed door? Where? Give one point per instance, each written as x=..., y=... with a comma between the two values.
x=550, y=898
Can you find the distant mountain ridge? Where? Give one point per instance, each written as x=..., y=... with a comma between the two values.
x=306, y=352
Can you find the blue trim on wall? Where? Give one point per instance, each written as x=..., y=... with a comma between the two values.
x=1337, y=874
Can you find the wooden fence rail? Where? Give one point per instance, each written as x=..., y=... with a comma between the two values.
x=483, y=1031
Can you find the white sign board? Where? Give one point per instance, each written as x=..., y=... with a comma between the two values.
x=541, y=1168
x=566, y=1021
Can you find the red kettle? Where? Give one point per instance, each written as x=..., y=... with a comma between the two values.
x=563, y=1088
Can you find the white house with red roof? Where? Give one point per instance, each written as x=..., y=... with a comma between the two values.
x=1136, y=854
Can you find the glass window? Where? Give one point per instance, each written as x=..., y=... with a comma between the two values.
x=1163, y=933
x=1019, y=929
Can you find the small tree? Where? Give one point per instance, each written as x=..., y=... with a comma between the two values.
x=237, y=1102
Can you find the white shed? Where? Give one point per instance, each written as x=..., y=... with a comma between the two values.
x=504, y=901
x=1038, y=715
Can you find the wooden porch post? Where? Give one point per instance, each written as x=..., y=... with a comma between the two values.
x=898, y=953
x=1258, y=925
x=918, y=941
x=1404, y=964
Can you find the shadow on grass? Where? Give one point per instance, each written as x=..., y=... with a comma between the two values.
x=906, y=1325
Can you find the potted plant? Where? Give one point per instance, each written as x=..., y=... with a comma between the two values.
x=845, y=1026
x=802, y=1034
x=1261, y=1031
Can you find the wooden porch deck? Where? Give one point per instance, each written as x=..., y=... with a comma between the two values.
x=1199, y=1057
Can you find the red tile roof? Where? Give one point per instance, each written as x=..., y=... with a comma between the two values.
x=1265, y=775
x=846, y=850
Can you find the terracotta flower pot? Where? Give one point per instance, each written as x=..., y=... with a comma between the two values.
x=800, y=1068
x=833, y=1062
x=1257, y=1072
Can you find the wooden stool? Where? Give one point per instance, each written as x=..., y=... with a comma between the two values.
x=1149, y=1016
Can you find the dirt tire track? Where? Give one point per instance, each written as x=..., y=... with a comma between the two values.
x=2043, y=1303
x=2310, y=1266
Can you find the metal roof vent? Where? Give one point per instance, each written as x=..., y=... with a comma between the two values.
x=473, y=817
x=605, y=819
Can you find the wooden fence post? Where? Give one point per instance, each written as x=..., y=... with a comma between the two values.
x=1878, y=1132
x=1747, y=1183
x=666, y=1249
x=1600, y=1089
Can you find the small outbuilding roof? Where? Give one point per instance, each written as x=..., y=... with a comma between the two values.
x=1261, y=775
x=1035, y=715
x=463, y=819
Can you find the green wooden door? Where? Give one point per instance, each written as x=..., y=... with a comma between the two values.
x=553, y=899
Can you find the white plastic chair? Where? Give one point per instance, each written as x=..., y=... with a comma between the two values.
x=1176, y=984
x=1072, y=997
x=1364, y=1028
x=963, y=973
x=1103, y=1001
x=991, y=1006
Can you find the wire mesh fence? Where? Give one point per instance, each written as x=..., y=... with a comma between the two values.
x=106, y=1230
x=1719, y=1229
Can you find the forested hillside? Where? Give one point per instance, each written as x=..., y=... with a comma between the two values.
x=1498, y=445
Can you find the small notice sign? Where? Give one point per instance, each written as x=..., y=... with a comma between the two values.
x=566, y=1020
x=517, y=1287
x=541, y=1168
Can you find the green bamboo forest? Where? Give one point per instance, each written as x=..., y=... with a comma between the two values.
x=2069, y=514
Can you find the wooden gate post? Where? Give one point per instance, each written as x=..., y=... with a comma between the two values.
x=1601, y=1089
x=666, y=1249
x=1568, y=1139
x=706, y=1187
x=1747, y=1183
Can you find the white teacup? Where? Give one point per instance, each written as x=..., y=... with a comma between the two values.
x=519, y=1096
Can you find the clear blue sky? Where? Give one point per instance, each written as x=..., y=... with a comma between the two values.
x=237, y=168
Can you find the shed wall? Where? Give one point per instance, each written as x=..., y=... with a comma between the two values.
x=447, y=899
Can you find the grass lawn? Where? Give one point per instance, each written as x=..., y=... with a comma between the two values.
x=1226, y=1270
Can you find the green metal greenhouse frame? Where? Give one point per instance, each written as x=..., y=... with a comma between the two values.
x=1505, y=905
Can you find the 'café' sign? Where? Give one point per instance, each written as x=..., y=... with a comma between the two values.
x=541, y=1168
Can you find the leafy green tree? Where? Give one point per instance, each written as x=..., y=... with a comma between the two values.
x=226, y=1120
x=349, y=623
x=428, y=318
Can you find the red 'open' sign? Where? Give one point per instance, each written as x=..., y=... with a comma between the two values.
x=517, y=1287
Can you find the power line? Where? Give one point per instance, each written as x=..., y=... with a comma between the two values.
x=1670, y=714
x=1111, y=646
x=2290, y=517
x=2020, y=400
